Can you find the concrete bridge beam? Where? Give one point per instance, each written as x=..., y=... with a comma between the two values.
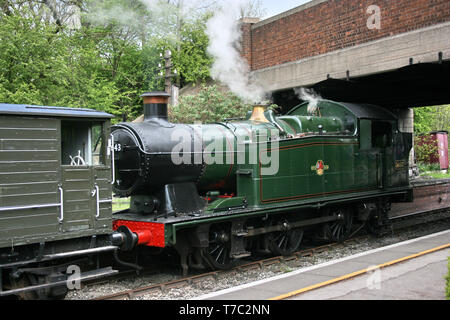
x=423, y=45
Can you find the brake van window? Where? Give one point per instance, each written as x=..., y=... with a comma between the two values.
x=81, y=143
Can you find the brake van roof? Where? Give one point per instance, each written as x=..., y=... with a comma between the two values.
x=31, y=110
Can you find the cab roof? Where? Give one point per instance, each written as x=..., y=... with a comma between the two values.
x=369, y=111
x=360, y=110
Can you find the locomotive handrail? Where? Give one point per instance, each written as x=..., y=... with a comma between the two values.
x=113, y=166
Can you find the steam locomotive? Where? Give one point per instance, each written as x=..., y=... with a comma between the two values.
x=218, y=192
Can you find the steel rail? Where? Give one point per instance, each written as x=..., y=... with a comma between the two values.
x=179, y=283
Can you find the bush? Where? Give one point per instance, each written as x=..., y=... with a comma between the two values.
x=427, y=167
x=425, y=150
x=210, y=105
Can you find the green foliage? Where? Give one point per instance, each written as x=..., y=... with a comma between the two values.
x=423, y=119
x=447, y=290
x=192, y=60
x=429, y=119
x=41, y=64
x=120, y=204
x=210, y=105
x=438, y=175
x=105, y=65
x=426, y=120
x=29, y=60
x=425, y=149
x=189, y=56
x=428, y=167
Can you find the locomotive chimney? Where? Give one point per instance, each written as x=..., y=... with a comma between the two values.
x=155, y=105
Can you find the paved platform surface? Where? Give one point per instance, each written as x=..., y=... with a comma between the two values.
x=420, y=278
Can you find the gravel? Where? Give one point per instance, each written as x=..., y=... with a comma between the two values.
x=231, y=279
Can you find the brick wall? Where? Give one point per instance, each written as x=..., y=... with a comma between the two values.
x=332, y=25
x=246, y=40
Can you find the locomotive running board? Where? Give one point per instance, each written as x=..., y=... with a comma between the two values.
x=85, y=276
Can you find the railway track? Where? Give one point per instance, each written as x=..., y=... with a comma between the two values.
x=259, y=264
x=397, y=223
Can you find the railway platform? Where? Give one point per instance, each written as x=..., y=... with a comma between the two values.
x=410, y=270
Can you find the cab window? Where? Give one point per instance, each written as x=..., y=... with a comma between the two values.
x=381, y=134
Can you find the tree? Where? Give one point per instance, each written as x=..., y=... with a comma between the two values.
x=425, y=148
x=429, y=119
x=60, y=12
x=99, y=54
x=116, y=28
x=426, y=120
x=210, y=105
x=39, y=65
x=252, y=9
x=189, y=52
x=190, y=59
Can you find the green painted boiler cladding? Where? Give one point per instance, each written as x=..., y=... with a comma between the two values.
x=262, y=182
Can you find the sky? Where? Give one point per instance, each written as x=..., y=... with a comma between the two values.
x=275, y=7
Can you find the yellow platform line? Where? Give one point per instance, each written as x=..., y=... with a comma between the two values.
x=357, y=273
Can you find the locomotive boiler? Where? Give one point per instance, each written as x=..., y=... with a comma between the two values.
x=218, y=192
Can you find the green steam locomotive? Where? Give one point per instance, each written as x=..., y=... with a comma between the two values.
x=219, y=192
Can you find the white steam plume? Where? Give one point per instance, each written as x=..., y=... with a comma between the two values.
x=229, y=67
x=165, y=15
x=158, y=19
x=308, y=95
x=120, y=15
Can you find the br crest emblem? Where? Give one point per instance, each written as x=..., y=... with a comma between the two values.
x=320, y=167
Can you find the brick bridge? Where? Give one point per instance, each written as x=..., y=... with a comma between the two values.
x=394, y=53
